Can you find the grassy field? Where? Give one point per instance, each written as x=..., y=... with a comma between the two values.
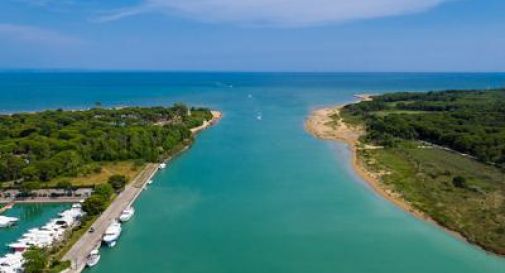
x=128, y=168
x=426, y=178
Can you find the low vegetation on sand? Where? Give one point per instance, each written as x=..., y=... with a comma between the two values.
x=42, y=149
x=444, y=153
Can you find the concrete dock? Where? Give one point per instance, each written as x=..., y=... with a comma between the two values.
x=80, y=250
x=78, y=253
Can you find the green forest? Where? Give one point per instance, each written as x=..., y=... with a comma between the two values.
x=37, y=147
x=444, y=153
x=470, y=122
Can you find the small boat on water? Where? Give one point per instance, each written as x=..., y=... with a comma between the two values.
x=127, y=214
x=93, y=258
x=163, y=166
x=149, y=182
x=112, y=234
x=6, y=221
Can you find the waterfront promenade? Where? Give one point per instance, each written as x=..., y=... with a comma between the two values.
x=89, y=241
x=79, y=251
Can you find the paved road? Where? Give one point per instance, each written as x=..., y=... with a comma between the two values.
x=77, y=254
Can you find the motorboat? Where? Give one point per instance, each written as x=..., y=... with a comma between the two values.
x=127, y=214
x=93, y=258
x=19, y=246
x=149, y=182
x=112, y=234
x=42, y=237
x=75, y=212
x=163, y=166
x=6, y=221
x=12, y=263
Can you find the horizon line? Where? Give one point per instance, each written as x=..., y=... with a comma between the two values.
x=130, y=70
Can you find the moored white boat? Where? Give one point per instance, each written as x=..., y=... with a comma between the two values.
x=93, y=258
x=6, y=221
x=11, y=263
x=127, y=214
x=19, y=246
x=163, y=166
x=42, y=237
x=112, y=234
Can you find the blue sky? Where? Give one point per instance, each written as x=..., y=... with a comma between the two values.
x=254, y=35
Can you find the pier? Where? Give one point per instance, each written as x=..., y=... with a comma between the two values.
x=77, y=255
x=80, y=250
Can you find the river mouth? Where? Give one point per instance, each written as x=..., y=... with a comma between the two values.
x=262, y=195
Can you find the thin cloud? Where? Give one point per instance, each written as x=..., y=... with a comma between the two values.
x=122, y=13
x=36, y=35
x=284, y=13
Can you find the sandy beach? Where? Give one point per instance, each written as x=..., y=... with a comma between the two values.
x=321, y=125
x=216, y=116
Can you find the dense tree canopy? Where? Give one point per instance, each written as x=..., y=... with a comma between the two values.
x=44, y=145
x=471, y=122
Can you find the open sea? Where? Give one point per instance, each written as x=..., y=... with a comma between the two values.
x=256, y=196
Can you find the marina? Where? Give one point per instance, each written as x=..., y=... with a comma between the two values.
x=106, y=230
x=45, y=236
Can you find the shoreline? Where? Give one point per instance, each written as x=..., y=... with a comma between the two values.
x=318, y=125
x=88, y=241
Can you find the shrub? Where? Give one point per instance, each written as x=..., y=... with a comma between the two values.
x=459, y=182
x=36, y=260
x=64, y=184
x=117, y=182
x=104, y=190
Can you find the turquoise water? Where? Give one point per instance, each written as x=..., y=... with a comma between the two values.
x=30, y=216
x=260, y=196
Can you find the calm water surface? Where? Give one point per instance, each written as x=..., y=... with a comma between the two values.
x=260, y=196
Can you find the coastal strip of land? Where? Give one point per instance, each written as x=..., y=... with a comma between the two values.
x=322, y=125
x=90, y=240
x=436, y=155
